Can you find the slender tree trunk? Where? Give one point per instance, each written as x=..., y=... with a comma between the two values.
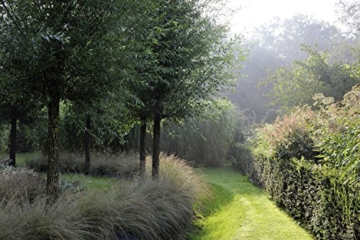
x=156, y=144
x=12, y=149
x=142, y=149
x=52, y=184
x=87, y=144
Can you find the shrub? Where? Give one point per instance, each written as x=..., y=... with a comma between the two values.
x=289, y=136
x=308, y=162
x=242, y=160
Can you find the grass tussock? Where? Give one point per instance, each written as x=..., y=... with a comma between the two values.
x=137, y=209
x=20, y=183
x=124, y=164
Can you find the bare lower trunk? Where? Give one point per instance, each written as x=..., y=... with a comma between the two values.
x=142, y=149
x=52, y=184
x=87, y=145
x=156, y=145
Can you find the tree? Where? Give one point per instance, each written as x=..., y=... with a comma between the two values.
x=296, y=85
x=12, y=115
x=249, y=96
x=188, y=62
x=349, y=13
x=53, y=48
x=14, y=105
x=284, y=37
x=98, y=124
x=277, y=44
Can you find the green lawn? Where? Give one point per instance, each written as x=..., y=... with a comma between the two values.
x=92, y=183
x=21, y=158
x=239, y=210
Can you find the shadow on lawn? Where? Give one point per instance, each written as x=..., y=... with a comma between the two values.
x=221, y=196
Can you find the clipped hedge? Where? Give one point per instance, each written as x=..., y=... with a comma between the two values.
x=308, y=162
x=312, y=198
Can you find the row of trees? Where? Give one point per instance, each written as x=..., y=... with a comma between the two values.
x=131, y=61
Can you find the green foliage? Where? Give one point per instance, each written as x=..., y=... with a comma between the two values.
x=54, y=51
x=183, y=61
x=274, y=47
x=296, y=85
x=4, y=137
x=288, y=136
x=308, y=162
x=270, y=116
x=284, y=37
x=108, y=125
x=205, y=140
x=242, y=160
x=349, y=12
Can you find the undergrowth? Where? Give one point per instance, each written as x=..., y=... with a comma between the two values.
x=124, y=164
x=136, y=209
x=308, y=162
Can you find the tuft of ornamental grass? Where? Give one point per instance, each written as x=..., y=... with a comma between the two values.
x=137, y=209
x=37, y=220
x=19, y=183
x=124, y=164
x=182, y=174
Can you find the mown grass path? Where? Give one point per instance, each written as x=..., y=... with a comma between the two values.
x=239, y=210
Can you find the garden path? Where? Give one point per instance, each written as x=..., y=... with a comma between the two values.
x=239, y=210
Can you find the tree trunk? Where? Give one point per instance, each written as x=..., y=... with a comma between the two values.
x=142, y=149
x=87, y=144
x=12, y=149
x=156, y=144
x=52, y=184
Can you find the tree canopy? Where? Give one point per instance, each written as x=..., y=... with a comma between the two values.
x=296, y=85
x=186, y=63
x=58, y=50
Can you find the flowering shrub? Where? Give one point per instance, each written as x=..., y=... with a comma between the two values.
x=309, y=163
x=289, y=135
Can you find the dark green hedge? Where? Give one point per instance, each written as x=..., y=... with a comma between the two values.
x=308, y=161
x=314, y=200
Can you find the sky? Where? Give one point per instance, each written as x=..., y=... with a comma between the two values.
x=256, y=12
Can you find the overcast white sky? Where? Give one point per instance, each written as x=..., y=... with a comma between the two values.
x=256, y=12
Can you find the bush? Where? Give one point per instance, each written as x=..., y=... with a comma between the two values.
x=308, y=162
x=288, y=136
x=242, y=160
